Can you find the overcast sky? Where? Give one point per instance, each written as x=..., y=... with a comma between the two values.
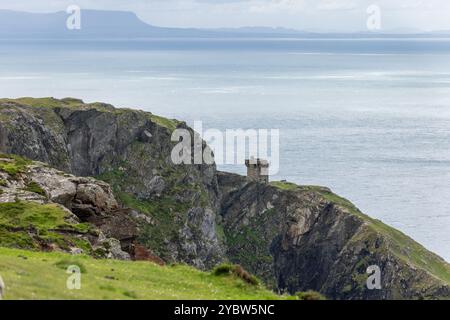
x=313, y=15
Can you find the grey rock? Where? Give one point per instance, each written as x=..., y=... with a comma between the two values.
x=299, y=239
x=76, y=251
x=156, y=185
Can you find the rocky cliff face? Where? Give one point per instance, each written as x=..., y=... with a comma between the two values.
x=175, y=205
x=295, y=238
x=305, y=237
x=43, y=208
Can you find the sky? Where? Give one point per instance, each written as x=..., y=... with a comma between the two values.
x=308, y=15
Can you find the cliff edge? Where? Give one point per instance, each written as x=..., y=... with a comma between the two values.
x=295, y=238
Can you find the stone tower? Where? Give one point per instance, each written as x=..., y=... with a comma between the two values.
x=257, y=170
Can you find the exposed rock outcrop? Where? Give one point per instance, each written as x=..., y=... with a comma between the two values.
x=131, y=150
x=80, y=210
x=295, y=238
x=2, y=288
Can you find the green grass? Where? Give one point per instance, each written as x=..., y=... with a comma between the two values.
x=164, y=212
x=50, y=103
x=35, y=102
x=413, y=252
x=35, y=275
x=65, y=263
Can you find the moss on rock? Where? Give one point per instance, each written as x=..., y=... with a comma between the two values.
x=30, y=225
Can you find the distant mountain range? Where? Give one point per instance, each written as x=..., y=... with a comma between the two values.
x=119, y=24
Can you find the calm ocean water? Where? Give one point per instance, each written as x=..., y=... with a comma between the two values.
x=368, y=118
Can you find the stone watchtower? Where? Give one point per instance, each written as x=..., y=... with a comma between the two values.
x=257, y=170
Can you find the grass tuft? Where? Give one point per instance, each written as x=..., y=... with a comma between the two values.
x=66, y=263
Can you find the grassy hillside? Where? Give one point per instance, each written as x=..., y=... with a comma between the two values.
x=37, y=275
x=400, y=244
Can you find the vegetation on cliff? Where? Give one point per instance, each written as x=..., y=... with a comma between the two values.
x=129, y=149
x=293, y=238
x=29, y=225
x=37, y=275
x=39, y=207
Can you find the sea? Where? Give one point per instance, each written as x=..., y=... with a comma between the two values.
x=368, y=118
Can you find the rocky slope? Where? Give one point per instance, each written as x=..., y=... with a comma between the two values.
x=295, y=238
x=46, y=209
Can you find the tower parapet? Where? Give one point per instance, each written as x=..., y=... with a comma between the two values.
x=257, y=170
